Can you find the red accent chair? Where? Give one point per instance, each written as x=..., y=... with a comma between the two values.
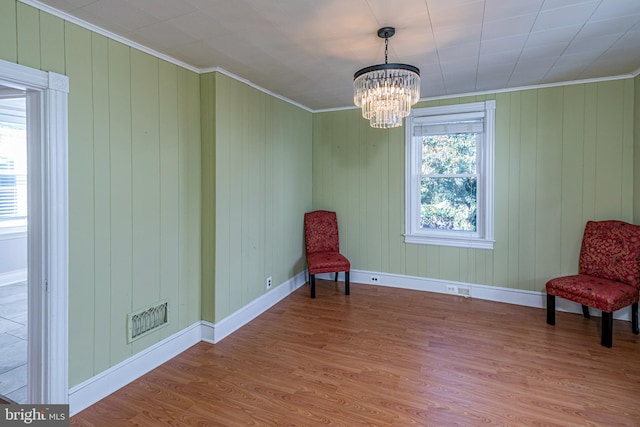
x=608, y=278
x=323, y=248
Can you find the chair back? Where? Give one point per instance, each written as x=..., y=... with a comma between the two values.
x=611, y=250
x=321, y=232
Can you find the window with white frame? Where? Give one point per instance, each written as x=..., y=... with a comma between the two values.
x=13, y=163
x=449, y=175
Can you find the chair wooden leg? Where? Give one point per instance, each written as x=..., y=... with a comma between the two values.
x=336, y=278
x=607, y=329
x=312, y=282
x=551, y=309
x=634, y=318
x=346, y=283
x=585, y=311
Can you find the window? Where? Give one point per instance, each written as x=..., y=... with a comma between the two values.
x=13, y=163
x=449, y=175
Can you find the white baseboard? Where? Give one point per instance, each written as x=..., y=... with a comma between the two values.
x=100, y=386
x=92, y=390
x=14, y=276
x=491, y=293
x=213, y=333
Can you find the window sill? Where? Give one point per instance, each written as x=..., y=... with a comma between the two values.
x=13, y=229
x=449, y=241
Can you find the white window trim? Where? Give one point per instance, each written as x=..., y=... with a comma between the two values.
x=484, y=239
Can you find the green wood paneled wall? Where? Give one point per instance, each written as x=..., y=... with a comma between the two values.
x=564, y=155
x=134, y=182
x=192, y=188
x=256, y=188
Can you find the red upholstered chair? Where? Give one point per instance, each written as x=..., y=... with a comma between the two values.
x=323, y=248
x=609, y=275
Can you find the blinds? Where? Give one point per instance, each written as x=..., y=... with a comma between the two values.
x=472, y=122
x=446, y=128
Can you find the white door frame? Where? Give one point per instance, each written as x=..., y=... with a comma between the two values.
x=48, y=225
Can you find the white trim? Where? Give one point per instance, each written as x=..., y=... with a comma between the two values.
x=10, y=233
x=47, y=121
x=98, y=387
x=13, y=276
x=253, y=85
x=214, y=333
x=57, y=235
x=483, y=238
x=84, y=24
x=67, y=17
x=490, y=293
x=505, y=90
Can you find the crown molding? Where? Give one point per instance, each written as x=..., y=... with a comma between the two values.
x=255, y=86
x=84, y=24
x=130, y=43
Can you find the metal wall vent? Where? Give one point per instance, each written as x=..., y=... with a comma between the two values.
x=147, y=320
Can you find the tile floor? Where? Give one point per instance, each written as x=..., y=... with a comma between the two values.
x=13, y=341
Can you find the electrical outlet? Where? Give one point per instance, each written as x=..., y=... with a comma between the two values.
x=375, y=279
x=452, y=289
x=465, y=291
x=269, y=282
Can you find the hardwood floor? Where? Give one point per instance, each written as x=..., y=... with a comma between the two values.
x=391, y=357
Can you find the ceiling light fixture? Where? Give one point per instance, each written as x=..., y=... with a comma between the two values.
x=386, y=92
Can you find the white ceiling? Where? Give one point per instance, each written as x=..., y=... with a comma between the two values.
x=308, y=50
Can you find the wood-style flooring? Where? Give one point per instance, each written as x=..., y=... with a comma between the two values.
x=391, y=357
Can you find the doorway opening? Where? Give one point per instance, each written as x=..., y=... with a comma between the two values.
x=13, y=246
x=44, y=98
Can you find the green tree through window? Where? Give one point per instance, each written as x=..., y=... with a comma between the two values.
x=448, y=185
x=449, y=175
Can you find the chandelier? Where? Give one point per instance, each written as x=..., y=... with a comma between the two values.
x=386, y=92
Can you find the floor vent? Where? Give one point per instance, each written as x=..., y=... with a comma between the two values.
x=147, y=320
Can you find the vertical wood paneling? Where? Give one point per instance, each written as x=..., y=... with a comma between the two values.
x=235, y=272
x=51, y=43
x=501, y=189
x=549, y=179
x=527, y=191
x=145, y=160
x=169, y=193
x=609, y=150
x=8, y=31
x=627, y=150
x=102, y=205
x=548, y=185
x=190, y=213
x=351, y=183
x=254, y=147
x=28, y=36
x=121, y=198
x=513, y=202
x=572, y=172
x=81, y=204
x=223, y=182
x=208, y=159
x=395, y=221
x=589, y=176
x=134, y=182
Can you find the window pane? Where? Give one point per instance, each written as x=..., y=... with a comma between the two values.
x=13, y=171
x=448, y=204
x=449, y=154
